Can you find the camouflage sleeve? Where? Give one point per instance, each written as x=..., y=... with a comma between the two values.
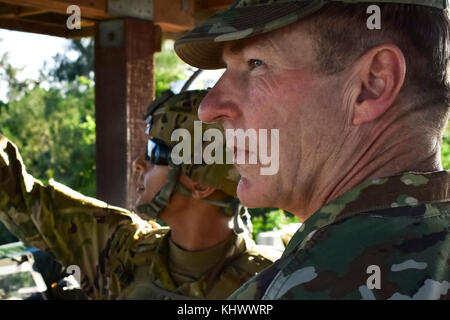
x=75, y=229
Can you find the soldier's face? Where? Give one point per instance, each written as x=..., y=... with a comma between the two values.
x=149, y=179
x=271, y=83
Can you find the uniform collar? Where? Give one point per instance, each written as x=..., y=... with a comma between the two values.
x=405, y=190
x=195, y=263
x=160, y=275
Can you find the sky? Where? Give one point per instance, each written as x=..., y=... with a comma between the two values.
x=30, y=51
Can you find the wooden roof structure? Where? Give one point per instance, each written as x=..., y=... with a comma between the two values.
x=49, y=16
x=127, y=34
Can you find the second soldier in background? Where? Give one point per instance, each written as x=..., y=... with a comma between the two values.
x=205, y=253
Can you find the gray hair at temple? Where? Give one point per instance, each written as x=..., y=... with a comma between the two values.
x=422, y=33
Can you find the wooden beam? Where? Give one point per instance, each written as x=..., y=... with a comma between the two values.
x=46, y=29
x=171, y=16
x=94, y=9
x=54, y=19
x=10, y=11
x=212, y=5
x=206, y=8
x=31, y=12
x=124, y=87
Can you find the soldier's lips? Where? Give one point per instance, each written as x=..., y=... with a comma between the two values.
x=237, y=154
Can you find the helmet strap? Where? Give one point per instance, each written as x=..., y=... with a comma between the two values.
x=231, y=208
x=162, y=198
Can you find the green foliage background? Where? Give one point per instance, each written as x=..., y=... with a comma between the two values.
x=169, y=68
x=446, y=149
x=55, y=133
x=269, y=219
x=55, y=128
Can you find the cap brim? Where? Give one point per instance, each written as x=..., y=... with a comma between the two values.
x=202, y=47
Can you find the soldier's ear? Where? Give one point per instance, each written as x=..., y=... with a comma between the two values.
x=201, y=191
x=198, y=191
x=381, y=75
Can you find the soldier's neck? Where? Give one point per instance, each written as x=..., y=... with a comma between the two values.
x=197, y=225
x=382, y=158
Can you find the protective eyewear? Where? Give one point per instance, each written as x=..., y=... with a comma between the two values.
x=157, y=152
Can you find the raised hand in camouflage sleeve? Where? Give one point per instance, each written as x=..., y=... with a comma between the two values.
x=75, y=229
x=122, y=256
x=359, y=91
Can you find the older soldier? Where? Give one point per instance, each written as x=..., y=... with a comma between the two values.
x=361, y=115
x=122, y=256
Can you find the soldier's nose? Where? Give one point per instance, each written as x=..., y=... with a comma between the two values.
x=217, y=107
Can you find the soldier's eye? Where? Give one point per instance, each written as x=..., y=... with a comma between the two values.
x=255, y=63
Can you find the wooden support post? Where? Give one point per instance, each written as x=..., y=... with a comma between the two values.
x=124, y=88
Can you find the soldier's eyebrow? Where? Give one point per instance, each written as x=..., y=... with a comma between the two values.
x=236, y=47
x=260, y=44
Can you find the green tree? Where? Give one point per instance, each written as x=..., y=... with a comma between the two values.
x=67, y=69
x=9, y=77
x=54, y=130
x=55, y=133
x=446, y=149
x=271, y=219
x=169, y=68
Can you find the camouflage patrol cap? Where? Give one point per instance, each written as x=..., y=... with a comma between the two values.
x=202, y=47
x=171, y=112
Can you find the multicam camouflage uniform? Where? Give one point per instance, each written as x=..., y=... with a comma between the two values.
x=120, y=255
x=397, y=224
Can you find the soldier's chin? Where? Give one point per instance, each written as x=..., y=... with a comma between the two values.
x=248, y=193
x=144, y=197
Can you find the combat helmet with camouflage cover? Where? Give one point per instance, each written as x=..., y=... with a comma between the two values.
x=202, y=47
x=171, y=112
x=180, y=112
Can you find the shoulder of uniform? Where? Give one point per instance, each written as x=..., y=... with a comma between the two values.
x=269, y=253
x=252, y=262
x=256, y=257
x=151, y=239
